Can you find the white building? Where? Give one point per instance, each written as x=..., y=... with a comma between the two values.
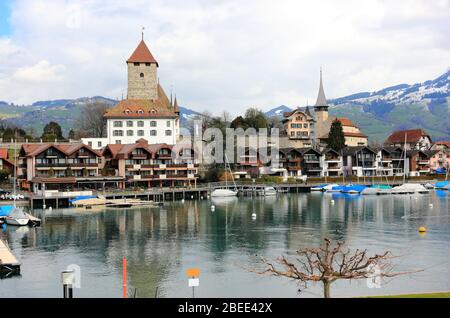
x=146, y=113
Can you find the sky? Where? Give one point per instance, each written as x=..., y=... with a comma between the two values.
x=221, y=55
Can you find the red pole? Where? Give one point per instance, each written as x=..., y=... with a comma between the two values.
x=124, y=283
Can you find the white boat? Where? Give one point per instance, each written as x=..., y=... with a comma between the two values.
x=329, y=188
x=223, y=193
x=410, y=188
x=17, y=217
x=269, y=191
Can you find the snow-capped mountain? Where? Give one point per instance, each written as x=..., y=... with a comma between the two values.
x=278, y=111
x=403, y=93
x=424, y=105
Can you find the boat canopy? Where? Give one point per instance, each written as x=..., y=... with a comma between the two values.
x=6, y=210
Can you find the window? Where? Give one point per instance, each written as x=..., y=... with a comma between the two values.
x=152, y=132
x=99, y=144
x=168, y=123
x=305, y=125
x=153, y=111
x=129, y=123
x=140, y=123
x=136, y=63
x=127, y=111
x=141, y=75
x=140, y=112
x=118, y=124
x=140, y=133
x=147, y=64
x=90, y=143
x=129, y=133
x=168, y=132
x=118, y=142
x=153, y=123
x=118, y=133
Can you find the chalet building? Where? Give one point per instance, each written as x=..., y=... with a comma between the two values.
x=360, y=161
x=44, y=164
x=6, y=163
x=147, y=112
x=390, y=161
x=151, y=165
x=441, y=145
x=419, y=162
x=353, y=136
x=247, y=165
x=299, y=128
x=331, y=162
x=415, y=139
x=439, y=160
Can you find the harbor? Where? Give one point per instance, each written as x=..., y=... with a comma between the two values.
x=161, y=242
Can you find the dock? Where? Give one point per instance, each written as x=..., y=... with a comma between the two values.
x=9, y=265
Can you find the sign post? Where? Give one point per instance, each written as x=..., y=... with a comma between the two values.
x=194, y=279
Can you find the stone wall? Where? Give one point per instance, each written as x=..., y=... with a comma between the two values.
x=142, y=87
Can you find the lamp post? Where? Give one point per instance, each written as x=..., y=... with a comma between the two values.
x=68, y=279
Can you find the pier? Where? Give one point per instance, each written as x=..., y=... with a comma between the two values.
x=9, y=265
x=161, y=195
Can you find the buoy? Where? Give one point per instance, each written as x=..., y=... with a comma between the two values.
x=50, y=208
x=332, y=201
x=213, y=207
x=254, y=215
x=192, y=197
x=182, y=201
x=44, y=206
x=422, y=229
x=431, y=205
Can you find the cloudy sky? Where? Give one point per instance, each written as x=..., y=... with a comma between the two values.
x=221, y=54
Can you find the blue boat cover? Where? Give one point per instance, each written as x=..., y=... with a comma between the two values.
x=6, y=210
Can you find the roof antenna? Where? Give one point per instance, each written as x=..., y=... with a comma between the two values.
x=143, y=29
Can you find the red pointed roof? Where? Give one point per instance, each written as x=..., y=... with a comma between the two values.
x=142, y=55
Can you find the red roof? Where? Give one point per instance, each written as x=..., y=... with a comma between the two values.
x=412, y=136
x=32, y=150
x=3, y=153
x=346, y=122
x=142, y=55
x=444, y=143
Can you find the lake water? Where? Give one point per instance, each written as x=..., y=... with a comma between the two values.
x=161, y=243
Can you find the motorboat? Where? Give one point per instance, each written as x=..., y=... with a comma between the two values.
x=443, y=185
x=353, y=189
x=269, y=191
x=377, y=189
x=337, y=188
x=410, y=188
x=329, y=187
x=224, y=193
x=17, y=217
x=320, y=188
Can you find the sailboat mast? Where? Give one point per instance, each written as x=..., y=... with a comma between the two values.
x=404, y=159
x=15, y=169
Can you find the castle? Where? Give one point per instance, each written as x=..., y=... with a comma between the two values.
x=147, y=112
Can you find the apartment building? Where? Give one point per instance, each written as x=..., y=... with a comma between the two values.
x=151, y=165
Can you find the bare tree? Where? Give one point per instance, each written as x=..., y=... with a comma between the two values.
x=330, y=263
x=91, y=123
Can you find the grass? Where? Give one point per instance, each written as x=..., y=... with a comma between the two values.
x=426, y=295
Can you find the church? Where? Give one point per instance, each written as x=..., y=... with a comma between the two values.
x=147, y=112
x=302, y=129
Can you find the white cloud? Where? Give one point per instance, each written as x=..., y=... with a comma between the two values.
x=41, y=72
x=224, y=54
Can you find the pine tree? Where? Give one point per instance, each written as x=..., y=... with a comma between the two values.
x=336, y=138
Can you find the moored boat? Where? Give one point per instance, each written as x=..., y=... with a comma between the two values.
x=269, y=191
x=223, y=193
x=17, y=217
x=410, y=188
x=443, y=185
x=319, y=187
x=353, y=189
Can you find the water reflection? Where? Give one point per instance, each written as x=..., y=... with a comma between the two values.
x=160, y=243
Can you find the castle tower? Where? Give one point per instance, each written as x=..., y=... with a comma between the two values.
x=142, y=74
x=321, y=110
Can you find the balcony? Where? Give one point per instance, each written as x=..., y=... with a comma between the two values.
x=424, y=162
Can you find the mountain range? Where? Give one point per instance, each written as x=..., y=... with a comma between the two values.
x=423, y=105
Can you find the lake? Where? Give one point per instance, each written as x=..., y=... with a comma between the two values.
x=161, y=243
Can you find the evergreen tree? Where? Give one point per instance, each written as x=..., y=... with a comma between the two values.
x=336, y=138
x=51, y=132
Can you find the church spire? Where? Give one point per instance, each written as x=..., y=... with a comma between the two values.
x=176, y=108
x=321, y=99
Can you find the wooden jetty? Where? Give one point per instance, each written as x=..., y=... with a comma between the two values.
x=9, y=265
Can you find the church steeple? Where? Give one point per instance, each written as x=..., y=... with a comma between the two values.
x=321, y=99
